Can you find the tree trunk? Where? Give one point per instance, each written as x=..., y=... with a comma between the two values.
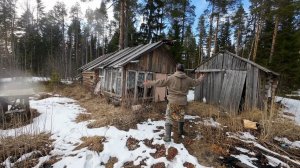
x=86, y=49
x=126, y=21
x=13, y=60
x=91, y=50
x=183, y=22
x=252, y=44
x=274, y=38
x=238, y=46
x=210, y=30
x=65, y=58
x=200, y=54
x=216, y=35
x=122, y=25
x=257, y=36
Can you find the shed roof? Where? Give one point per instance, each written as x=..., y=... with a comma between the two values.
x=122, y=57
x=246, y=60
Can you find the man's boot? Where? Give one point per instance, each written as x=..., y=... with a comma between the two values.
x=168, y=128
x=180, y=129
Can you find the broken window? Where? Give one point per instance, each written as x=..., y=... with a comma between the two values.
x=149, y=90
x=107, y=80
x=101, y=78
x=131, y=83
x=118, y=83
x=140, y=85
x=113, y=82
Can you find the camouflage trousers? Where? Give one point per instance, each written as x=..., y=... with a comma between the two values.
x=175, y=113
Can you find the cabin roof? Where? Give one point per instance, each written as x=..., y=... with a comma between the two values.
x=122, y=57
x=243, y=59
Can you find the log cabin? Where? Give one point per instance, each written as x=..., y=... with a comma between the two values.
x=120, y=75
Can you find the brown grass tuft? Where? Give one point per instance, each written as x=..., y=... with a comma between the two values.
x=110, y=163
x=104, y=114
x=83, y=117
x=15, y=147
x=93, y=143
x=18, y=120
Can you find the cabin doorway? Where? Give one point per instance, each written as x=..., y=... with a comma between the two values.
x=232, y=89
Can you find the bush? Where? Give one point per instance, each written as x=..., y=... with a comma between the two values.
x=54, y=80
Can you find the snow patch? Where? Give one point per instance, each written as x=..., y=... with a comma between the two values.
x=58, y=115
x=289, y=143
x=292, y=106
x=276, y=162
x=191, y=95
x=245, y=159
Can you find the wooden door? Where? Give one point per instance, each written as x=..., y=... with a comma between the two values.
x=232, y=89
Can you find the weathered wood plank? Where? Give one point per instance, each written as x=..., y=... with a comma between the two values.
x=232, y=90
x=255, y=88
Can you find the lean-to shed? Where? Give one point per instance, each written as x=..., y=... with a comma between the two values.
x=235, y=83
x=121, y=74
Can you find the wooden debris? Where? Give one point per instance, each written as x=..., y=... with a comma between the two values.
x=250, y=124
x=136, y=107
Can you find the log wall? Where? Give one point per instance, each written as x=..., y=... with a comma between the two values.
x=89, y=78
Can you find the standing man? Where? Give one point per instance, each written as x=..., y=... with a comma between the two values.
x=178, y=86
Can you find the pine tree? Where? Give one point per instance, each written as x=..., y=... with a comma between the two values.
x=60, y=14
x=7, y=28
x=202, y=38
x=224, y=37
x=101, y=25
x=190, y=48
x=238, y=23
x=74, y=43
x=153, y=25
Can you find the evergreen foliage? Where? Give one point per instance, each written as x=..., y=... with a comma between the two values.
x=42, y=42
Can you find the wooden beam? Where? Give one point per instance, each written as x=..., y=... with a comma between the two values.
x=211, y=70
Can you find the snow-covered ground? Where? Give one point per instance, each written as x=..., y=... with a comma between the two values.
x=25, y=79
x=291, y=106
x=58, y=115
x=191, y=95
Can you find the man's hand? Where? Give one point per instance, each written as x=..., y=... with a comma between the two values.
x=201, y=77
x=146, y=83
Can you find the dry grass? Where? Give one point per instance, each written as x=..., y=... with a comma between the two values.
x=104, y=114
x=93, y=143
x=215, y=143
x=208, y=148
x=15, y=147
x=110, y=163
x=18, y=120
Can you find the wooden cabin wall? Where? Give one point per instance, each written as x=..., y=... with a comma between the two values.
x=160, y=61
x=157, y=62
x=255, y=88
x=224, y=61
x=88, y=78
x=213, y=87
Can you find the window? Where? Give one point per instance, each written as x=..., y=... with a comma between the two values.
x=101, y=78
x=140, y=85
x=131, y=83
x=107, y=79
x=149, y=90
x=113, y=81
x=118, y=83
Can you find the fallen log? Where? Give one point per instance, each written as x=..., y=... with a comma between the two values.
x=266, y=151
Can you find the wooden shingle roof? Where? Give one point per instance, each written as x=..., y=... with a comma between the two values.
x=122, y=57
